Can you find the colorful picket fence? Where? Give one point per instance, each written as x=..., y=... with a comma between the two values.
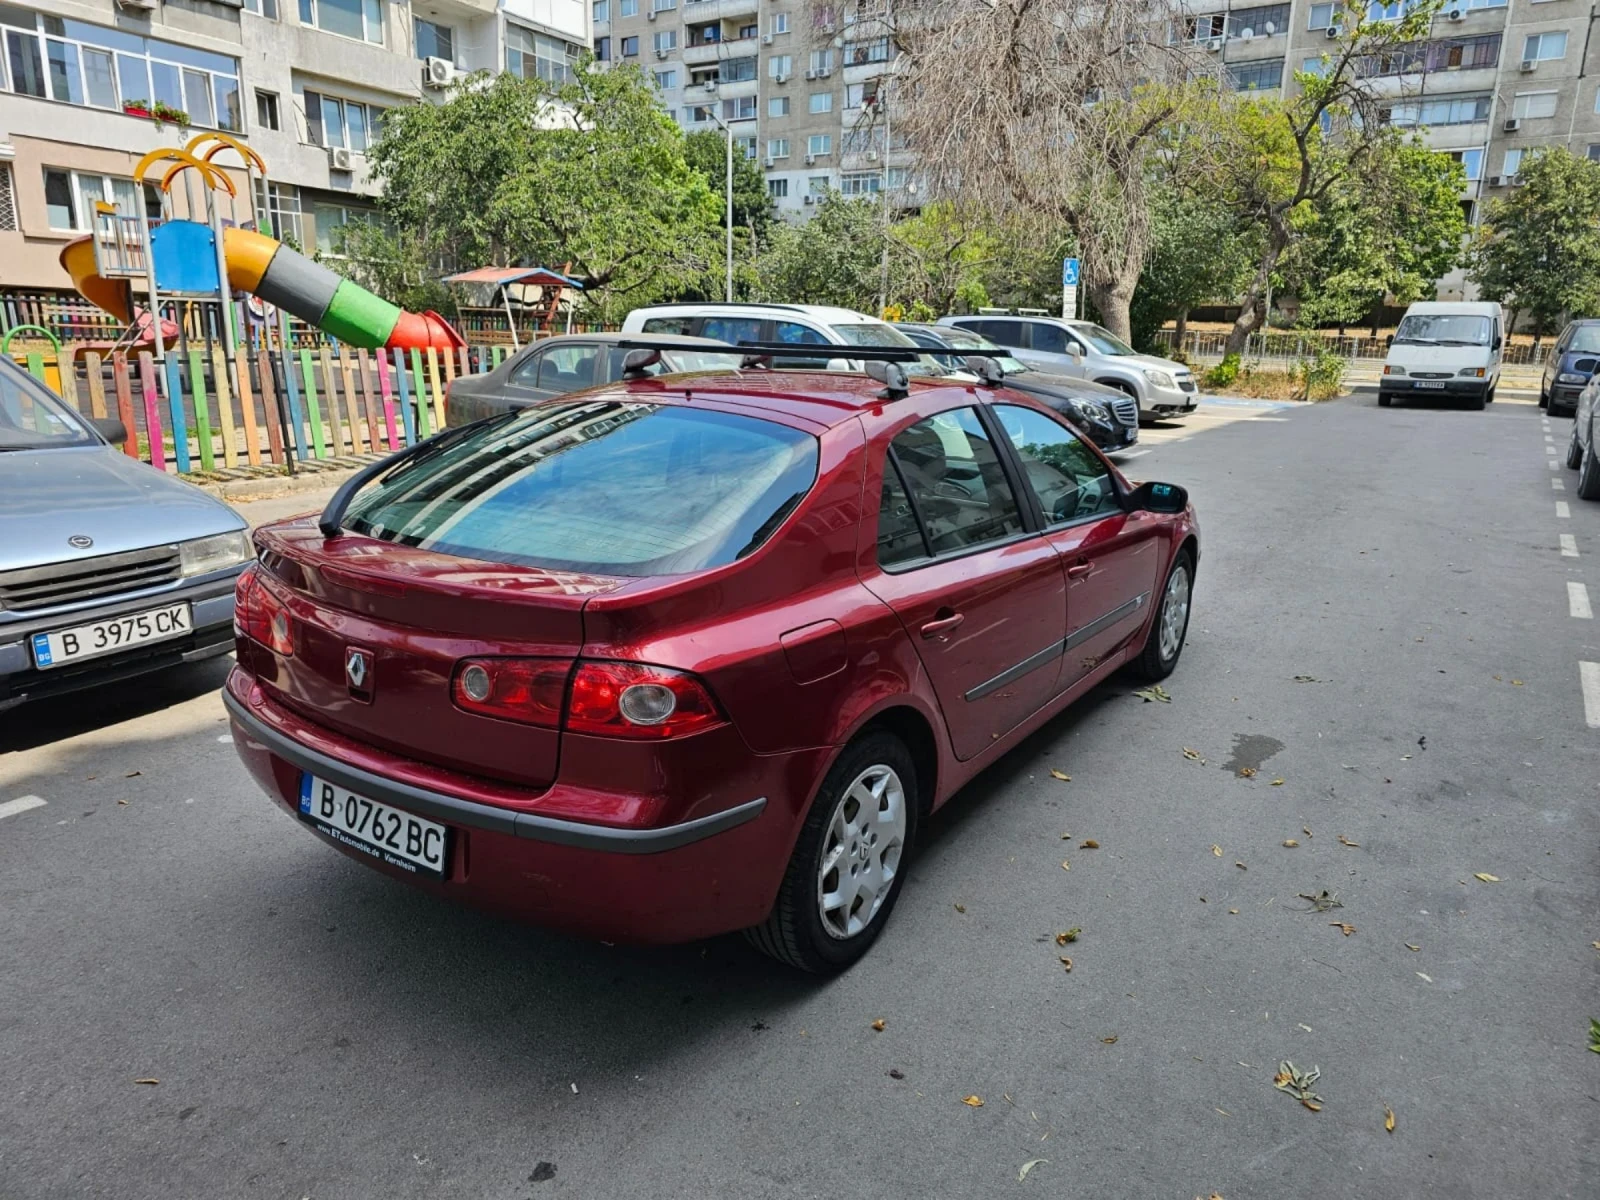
x=213, y=409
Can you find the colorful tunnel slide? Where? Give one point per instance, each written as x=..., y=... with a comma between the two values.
x=265, y=267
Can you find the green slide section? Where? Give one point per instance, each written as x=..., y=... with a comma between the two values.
x=359, y=317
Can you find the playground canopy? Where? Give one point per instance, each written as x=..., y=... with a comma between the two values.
x=500, y=276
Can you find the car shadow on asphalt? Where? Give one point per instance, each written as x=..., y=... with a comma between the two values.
x=40, y=722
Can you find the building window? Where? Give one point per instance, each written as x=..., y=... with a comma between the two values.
x=8, y=200
x=663, y=5
x=749, y=31
x=602, y=49
x=435, y=40
x=61, y=210
x=1443, y=110
x=1256, y=76
x=332, y=219
x=860, y=95
x=861, y=183
x=267, y=109
x=1593, y=154
x=780, y=23
x=263, y=8
x=877, y=50
x=1471, y=161
x=628, y=8
x=820, y=102
x=70, y=197
x=345, y=124
x=602, y=11
x=1320, y=16
x=749, y=146
x=777, y=147
x=630, y=47
x=665, y=40
x=863, y=139
x=778, y=189
x=77, y=63
x=736, y=70
x=780, y=64
x=1531, y=106
x=1510, y=163
x=817, y=185
x=531, y=55
x=821, y=61
x=667, y=80
x=1259, y=22
x=778, y=106
x=819, y=143
x=897, y=178
x=1447, y=54
x=741, y=109
x=358, y=19
x=1542, y=47
x=278, y=211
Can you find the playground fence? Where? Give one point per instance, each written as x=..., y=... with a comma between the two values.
x=211, y=409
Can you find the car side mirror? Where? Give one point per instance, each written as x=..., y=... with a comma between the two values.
x=1158, y=498
x=1388, y=341
x=840, y=364
x=1496, y=344
x=111, y=429
x=1077, y=354
x=636, y=364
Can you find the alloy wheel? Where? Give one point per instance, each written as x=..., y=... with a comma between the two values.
x=1175, y=611
x=861, y=851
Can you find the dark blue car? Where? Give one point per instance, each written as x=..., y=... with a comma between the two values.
x=1574, y=360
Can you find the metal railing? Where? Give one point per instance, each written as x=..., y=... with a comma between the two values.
x=1292, y=346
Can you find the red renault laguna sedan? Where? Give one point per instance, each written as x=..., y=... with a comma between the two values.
x=698, y=653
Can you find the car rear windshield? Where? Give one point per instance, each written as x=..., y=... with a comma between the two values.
x=31, y=418
x=1585, y=340
x=1443, y=329
x=878, y=333
x=600, y=487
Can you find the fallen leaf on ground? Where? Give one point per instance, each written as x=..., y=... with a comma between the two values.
x=1216, y=850
x=1305, y=829
x=1247, y=772
x=1594, y=1035
x=1516, y=683
x=1596, y=945
x=961, y=908
x=543, y=1173
x=1070, y=935
x=1060, y=775
x=1088, y=844
x=1344, y=841
x=1343, y=927
x=1306, y=1027
x=1290, y=843
x=880, y=1025
x=1066, y=837
x=1388, y=1118
x=1485, y=877
x=121, y=801
x=1241, y=866
x=896, y=1073
x=150, y=1082
x=1277, y=783
x=1192, y=755
x=1424, y=978
x=1156, y=692
x=1409, y=946
x=131, y=774
x=1065, y=865
x=1234, y=912
x=1110, y=1041
x=973, y=1101
x=1322, y=901
x=1297, y=1083
x=1022, y=1171
x=1066, y=963
x=1306, y=679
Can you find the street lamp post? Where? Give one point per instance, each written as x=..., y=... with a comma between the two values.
x=727, y=128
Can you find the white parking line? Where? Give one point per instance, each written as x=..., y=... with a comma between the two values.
x=1554, y=465
x=1562, y=510
x=1589, y=676
x=1578, y=601
x=20, y=805
x=1569, y=546
x=1558, y=485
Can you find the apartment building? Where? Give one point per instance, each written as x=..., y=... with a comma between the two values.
x=799, y=86
x=305, y=83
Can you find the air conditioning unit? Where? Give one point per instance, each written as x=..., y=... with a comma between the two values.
x=1332, y=32
x=437, y=72
x=1514, y=180
x=1529, y=66
x=142, y=5
x=766, y=39
x=811, y=160
x=711, y=85
x=827, y=27
x=780, y=78
x=1497, y=181
x=808, y=198
x=810, y=73
x=1512, y=124
x=1457, y=14
x=872, y=156
x=340, y=159
x=1214, y=45
x=651, y=15
x=770, y=163
x=825, y=72
x=660, y=53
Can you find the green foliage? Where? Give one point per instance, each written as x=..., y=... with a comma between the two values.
x=1197, y=254
x=1321, y=375
x=590, y=178
x=834, y=258
x=1223, y=374
x=1539, y=253
x=1391, y=231
x=938, y=257
x=706, y=151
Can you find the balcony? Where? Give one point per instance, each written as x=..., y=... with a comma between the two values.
x=703, y=55
x=697, y=11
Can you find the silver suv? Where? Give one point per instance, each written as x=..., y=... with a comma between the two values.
x=1162, y=387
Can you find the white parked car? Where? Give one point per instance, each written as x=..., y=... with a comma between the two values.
x=1445, y=348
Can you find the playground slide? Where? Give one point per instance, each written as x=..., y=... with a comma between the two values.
x=279, y=275
x=113, y=295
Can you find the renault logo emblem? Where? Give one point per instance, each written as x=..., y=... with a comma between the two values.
x=80, y=541
x=357, y=669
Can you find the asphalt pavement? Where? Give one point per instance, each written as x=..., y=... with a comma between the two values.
x=1384, y=668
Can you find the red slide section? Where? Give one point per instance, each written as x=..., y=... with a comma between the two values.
x=423, y=331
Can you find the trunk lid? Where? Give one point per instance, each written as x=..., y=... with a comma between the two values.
x=417, y=613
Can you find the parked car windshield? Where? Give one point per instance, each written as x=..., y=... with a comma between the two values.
x=1585, y=340
x=1443, y=329
x=870, y=333
x=601, y=487
x=1101, y=339
x=967, y=342
x=31, y=418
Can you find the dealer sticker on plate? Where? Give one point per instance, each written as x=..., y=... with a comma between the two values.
x=64, y=646
x=395, y=837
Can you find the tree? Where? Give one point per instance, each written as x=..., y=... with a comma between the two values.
x=1048, y=113
x=834, y=258
x=1276, y=161
x=937, y=259
x=1393, y=231
x=1197, y=254
x=589, y=177
x=707, y=152
x=1539, y=253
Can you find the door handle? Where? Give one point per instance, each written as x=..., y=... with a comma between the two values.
x=1079, y=569
x=942, y=625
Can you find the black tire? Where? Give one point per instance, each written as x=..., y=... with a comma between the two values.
x=1152, y=664
x=1589, y=474
x=794, y=932
x=1574, y=451
x=1489, y=395
x=1477, y=403
x=1383, y=399
x=1544, y=398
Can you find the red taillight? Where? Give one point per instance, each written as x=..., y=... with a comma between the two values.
x=632, y=700
x=612, y=699
x=528, y=690
x=259, y=615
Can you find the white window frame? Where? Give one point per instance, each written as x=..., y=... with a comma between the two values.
x=455, y=49
x=818, y=103
x=627, y=8
x=665, y=41
x=1461, y=157
x=1521, y=104
x=778, y=189
x=671, y=83
x=313, y=7
x=780, y=23
x=600, y=11
x=1511, y=161
x=1320, y=16
x=778, y=147
x=368, y=112
x=780, y=64
x=819, y=145
x=777, y=107
x=1538, y=39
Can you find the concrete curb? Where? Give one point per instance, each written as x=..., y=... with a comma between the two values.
x=247, y=484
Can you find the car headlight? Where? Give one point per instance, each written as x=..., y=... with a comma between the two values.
x=1391, y=370
x=1473, y=372
x=1572, y=377
x=201, y=556
x=1085, y=411
x=1162, y=379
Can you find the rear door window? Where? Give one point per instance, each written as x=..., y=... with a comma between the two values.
x=1049, y=339
x=668, y=325
x=732, y=330
x=792, y=333
x=567, y=368
x=1001, y=333
x=953, y=474
x=606, y=488
x=899, y=537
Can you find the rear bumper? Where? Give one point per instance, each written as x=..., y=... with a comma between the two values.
x=712, y=874
x=1457, y=389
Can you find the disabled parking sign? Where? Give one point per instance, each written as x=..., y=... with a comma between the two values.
x=1069, y=287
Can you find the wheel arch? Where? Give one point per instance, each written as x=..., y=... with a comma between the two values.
x=916, y=731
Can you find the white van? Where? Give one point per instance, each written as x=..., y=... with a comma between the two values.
x=1445, y=347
